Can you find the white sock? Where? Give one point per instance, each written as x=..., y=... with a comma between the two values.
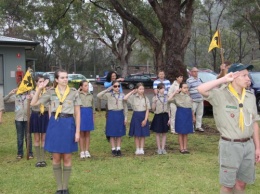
x=118, y=148
x=113, y=148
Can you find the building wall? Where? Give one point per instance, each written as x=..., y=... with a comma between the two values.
x=10, y=63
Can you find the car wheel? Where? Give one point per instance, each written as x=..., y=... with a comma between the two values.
x=258, y=103
x=131, y=86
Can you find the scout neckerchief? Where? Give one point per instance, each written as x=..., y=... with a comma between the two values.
x=240, y=102
x=113, y=94
x=67, y=91
x=41, y=105
x=164, y=100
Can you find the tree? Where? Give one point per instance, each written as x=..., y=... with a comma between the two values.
x=175, y=18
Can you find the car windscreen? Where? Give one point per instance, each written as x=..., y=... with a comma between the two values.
x=256, y=78
x=206, y=76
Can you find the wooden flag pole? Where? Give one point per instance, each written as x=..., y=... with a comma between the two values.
x=221, y=49
x=28, y=135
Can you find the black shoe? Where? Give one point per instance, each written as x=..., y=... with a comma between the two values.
x=118, y=153
x=43, y=164
x=114, y=153
x=59, y=192
x=65, y=191
x=38, y=164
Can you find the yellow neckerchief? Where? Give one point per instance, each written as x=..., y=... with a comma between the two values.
x=67, y=91
x=240, y=102
x=41, y=105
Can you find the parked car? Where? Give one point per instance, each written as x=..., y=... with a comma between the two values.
x=74, y=80
x=131, y=81
x=255, y=85
x=151, y=75
x=101, y=80
x=49, y=75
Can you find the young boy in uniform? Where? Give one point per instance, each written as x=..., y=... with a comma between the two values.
x=236, y=117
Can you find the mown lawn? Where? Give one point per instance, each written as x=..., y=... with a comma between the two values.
x=102, y=174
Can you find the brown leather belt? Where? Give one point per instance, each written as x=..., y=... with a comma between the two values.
x=236, y=140
x=62, y=115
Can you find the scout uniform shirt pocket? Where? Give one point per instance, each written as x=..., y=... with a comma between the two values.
x=54, y=103
x=232, y=113
x=248, y=117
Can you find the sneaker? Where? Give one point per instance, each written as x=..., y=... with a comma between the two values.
x=43, y=164
x=87, y=154
x=31, y=156
x=137, y=152
x=114, y=153
x=163, y=151
x=159, y=151
x=19, y=156
x=38, y=164
x=118, y=153
x=141, y=152
x=200, y=129
x=82, y=155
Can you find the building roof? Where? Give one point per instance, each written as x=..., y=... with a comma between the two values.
x=16, y=42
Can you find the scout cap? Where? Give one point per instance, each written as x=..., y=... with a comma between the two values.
x=239, y=67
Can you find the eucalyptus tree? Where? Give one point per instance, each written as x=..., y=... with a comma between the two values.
x=175, y=19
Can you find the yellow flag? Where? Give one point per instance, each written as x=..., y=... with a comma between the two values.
x=215, y=42
x=26, y=84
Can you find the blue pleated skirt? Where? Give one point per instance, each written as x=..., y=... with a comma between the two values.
x=39, y=122
x=136, y=128
x=183, y=121
x=160, y=123
x=115, y=126
x=60, y=136
x=86, y=119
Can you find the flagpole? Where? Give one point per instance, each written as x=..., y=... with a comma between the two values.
x=28, y=136
x=221, y=49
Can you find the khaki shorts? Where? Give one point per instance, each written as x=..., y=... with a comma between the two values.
x=237, y=162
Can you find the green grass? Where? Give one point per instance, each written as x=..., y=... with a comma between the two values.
x=103, y=174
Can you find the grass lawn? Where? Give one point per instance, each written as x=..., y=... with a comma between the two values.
x=102, y=174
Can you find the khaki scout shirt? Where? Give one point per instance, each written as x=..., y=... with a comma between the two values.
x=161, y=103
x=139, y=103
x=226, y=113
x=20, y=105
x=2, y=107
x=115, y=101
x=175, y=86
x=71, y=100
x=87, y=100
x=182, y=100
x=37, y=108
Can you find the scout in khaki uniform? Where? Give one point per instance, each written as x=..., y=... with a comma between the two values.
x=2, y=108
x=139, y=126
x=117, y=116
x=20, y=120
x=63, y=131
x=86, y=118
x=236, y=118
x=175, y=86
x=38, y=125
x=184, y=115
x=160, y=123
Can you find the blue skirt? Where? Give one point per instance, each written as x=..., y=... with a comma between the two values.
x=183, y=121
x=135, y=126
x=39, y=122
x=86, y=119
x=160, y=123
x=115, y=126
x=60, y=136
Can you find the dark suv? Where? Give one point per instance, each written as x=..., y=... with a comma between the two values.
x=255, y=85
x=131, y=81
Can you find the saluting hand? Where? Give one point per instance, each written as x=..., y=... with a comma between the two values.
x=13, y=91
x=43, y=84
x=231, y=76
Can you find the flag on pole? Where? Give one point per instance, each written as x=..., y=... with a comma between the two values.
x=26, y=84
x=215, y=42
